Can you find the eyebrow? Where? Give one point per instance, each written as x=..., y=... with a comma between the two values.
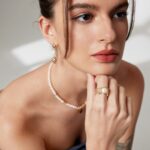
x=122, y=5
x=83, y=5
x=95, y=7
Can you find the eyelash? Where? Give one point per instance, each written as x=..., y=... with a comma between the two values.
x=82, y=16
x=119, y=15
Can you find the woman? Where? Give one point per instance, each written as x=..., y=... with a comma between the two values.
x=91, y=95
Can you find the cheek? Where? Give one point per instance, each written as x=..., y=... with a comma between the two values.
x=121, y=35
x=80, y=39
x=122, y=31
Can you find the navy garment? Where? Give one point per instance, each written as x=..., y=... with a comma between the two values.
x=78, y=147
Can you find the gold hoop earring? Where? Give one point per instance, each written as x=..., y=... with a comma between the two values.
x=54, y=45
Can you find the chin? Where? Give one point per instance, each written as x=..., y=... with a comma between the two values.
x=105, y=69
x=104, y=73
x=107, y=73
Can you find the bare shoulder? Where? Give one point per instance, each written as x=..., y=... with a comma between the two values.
x=17, y=103
x=134, y=76
x=25, y=87
x=23, y=92
x=134, y=84
x=14, y=135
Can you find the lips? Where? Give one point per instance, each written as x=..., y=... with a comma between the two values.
x=106, y=56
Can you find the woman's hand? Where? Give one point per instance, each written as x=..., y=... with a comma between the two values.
x=107, y=116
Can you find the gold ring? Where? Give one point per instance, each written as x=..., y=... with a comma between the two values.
x=103, y=90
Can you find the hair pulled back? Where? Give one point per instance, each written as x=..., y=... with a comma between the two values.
x=47, y=8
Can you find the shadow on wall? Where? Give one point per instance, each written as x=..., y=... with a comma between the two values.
x=18, y=25
x=142, y=140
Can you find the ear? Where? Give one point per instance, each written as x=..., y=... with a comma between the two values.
x=47, y=29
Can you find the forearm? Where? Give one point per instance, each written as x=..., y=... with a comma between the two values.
x=100, y=146
x=125, y=146
x=119, y=146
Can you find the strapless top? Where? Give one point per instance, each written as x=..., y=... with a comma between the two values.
x=79, y=147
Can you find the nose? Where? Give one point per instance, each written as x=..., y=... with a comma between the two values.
x=107, y=32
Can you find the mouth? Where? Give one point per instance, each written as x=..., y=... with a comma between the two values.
x=106, y=56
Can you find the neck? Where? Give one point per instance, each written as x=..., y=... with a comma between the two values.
x=70, y=83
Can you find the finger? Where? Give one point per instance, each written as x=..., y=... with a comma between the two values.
x=123, y=102
x=90, y=91
x=122, y=99
x=114, y=93
x=100, y=100
x=101, y=81
x=129, y=107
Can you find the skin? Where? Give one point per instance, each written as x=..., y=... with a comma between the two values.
x=30, y=116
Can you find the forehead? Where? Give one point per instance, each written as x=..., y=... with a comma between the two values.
x=98, y=3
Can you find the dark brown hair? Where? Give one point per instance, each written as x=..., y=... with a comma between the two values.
x=47, y=10
x=132, y=20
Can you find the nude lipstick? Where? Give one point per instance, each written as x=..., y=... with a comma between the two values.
x=106, y=56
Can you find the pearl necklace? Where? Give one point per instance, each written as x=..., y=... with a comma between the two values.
x=56, y=95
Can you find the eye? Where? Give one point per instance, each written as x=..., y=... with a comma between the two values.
x=120, y=15
x=84, y=18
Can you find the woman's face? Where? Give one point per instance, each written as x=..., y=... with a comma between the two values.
x=97, y=34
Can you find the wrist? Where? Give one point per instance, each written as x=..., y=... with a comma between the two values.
x=100, y=146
